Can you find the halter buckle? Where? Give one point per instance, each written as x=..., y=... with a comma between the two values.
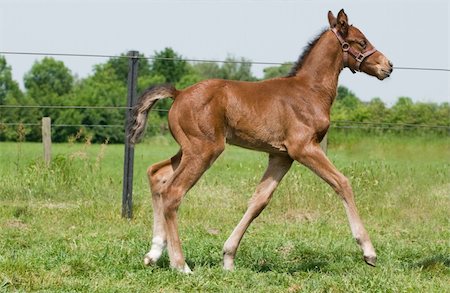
x=360, y=58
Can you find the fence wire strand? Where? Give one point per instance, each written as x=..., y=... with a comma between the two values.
x=334, y=124
x=190, y=59
x=73, y=107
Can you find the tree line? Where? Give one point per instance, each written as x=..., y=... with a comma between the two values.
x=49, y=82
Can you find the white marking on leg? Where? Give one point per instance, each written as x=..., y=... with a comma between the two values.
x=359, y=232
x=228, y=262
x=186, y=269
x=158, y=245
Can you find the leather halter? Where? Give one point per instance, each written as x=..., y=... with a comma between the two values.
x=346, y=48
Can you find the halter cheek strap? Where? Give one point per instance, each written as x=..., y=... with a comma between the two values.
x=347, y=49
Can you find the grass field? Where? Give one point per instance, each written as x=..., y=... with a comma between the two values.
x=61, y=228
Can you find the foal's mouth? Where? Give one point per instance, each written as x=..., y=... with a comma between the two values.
x=385, y=73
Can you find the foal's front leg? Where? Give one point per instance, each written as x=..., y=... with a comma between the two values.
x=278, y=167
x=314, y=158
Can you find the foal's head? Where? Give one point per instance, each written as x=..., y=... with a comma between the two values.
x=361, y=54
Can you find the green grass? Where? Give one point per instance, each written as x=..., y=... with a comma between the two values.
x=61, y=228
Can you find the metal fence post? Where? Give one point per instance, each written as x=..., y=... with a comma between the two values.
x=127, y=194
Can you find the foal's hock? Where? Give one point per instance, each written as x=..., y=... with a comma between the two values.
x=285, y=117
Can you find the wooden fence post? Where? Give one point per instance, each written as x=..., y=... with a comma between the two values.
x=127, y=194
x=324, y=143
x=47, y=139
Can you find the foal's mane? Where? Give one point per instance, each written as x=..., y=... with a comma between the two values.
x=298, y=65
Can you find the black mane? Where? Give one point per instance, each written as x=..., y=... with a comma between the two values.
x=298, y=65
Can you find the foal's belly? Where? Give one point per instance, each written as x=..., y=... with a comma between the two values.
x=265, y=142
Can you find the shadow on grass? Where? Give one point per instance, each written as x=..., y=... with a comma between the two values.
x=293, y=267
x=300, y=259
x=430, y=263
x=309, y=261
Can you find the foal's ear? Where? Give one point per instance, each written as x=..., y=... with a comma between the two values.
x=331, y=19
x=342, y=23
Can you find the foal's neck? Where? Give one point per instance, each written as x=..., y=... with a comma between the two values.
x=322, y=67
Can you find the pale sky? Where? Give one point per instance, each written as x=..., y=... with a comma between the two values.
x=410, y=33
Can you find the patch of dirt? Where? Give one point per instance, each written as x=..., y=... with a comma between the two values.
x=213, y=231
x=441, y=191
x=300, y=216
x=295, y=288
x=286, y=249
x=59, y=205
x=16, y=224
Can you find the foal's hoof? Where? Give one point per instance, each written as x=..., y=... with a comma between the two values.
x=185, y=269
x=371, y=260
x=228, y=265
x=148, y=260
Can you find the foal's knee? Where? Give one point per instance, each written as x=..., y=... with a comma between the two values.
x=258, y=203
x=343, y=186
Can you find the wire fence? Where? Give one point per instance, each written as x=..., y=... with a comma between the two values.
x=191, y=60
x=336, y=124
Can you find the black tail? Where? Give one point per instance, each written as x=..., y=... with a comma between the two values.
x=146, y=101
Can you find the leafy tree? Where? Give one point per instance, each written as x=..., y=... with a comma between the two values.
x=402, y=111
x=277, y=71
x=8, y=86
x=443, y=114
x=10, y=94
x=343, y=92
x=47, y=82
x=206, y=70
x=169, y=64
x=103, y=88
x=188, y=80
x=347, y=106
x=377, y=111
x=237, y=69
x=147, y=81
x=425, y=113
x=121, y=66
x=48, y=77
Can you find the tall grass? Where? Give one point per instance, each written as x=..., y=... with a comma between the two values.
x=61, y=228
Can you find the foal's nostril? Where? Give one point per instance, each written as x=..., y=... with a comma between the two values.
x=391, y=64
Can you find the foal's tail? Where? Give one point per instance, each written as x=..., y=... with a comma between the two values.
x=146, y=101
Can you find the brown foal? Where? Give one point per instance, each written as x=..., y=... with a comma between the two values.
x=285, y=117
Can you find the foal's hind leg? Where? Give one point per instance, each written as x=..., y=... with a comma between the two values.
x=278, y=166
x=314, y=158
x=191, y=167
x=158, y=174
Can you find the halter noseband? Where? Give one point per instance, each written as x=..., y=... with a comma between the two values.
x=346, y=48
